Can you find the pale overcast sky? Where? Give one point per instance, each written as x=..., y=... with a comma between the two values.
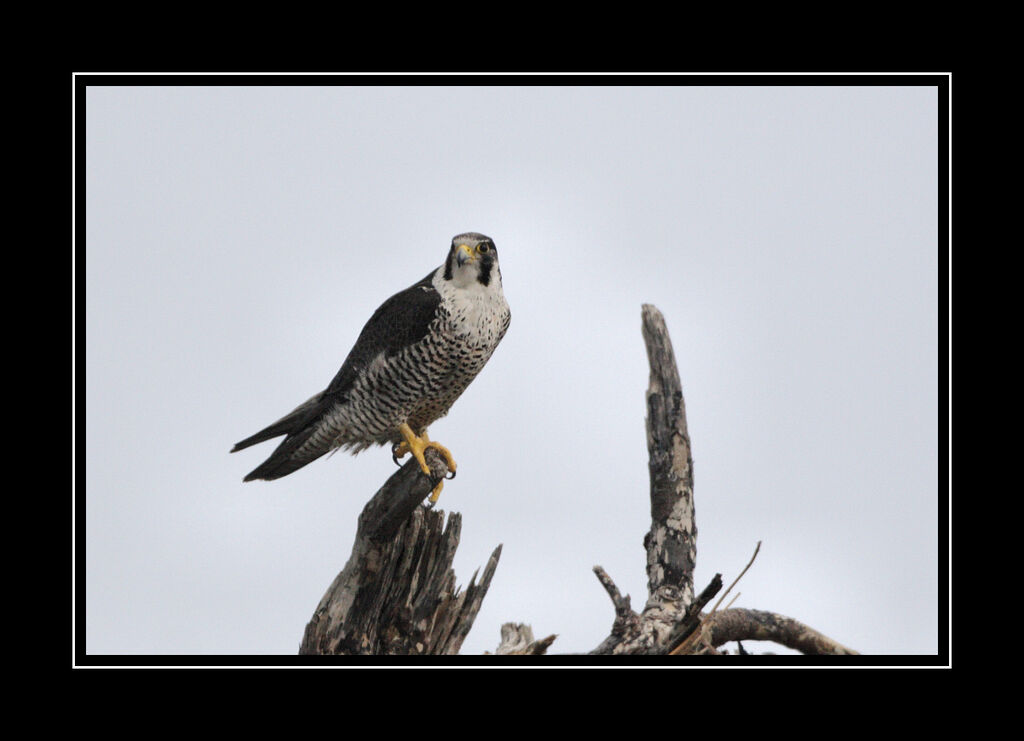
x=237, y=239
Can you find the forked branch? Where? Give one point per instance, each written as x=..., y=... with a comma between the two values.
x=672, y=621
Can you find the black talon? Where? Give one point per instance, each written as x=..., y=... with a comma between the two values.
x=452, y=475
x=394, y=456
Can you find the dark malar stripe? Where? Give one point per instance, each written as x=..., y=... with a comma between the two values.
x=448, y=263
x=485, y=272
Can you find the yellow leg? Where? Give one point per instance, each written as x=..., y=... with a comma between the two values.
x=416, y=446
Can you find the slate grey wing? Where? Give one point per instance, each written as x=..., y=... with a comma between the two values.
x=401, y=321
x=299, y=425
x=314, y=427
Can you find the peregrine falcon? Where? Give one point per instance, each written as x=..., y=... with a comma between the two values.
x=415, y=356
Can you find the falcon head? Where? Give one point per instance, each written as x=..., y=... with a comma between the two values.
x=472, y=259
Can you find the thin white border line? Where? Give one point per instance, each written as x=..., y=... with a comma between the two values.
x=530, y=73
x=499, y=666
x=949, y=351
x=74, y=272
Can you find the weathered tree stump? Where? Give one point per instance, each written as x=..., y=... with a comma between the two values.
x=397, y=594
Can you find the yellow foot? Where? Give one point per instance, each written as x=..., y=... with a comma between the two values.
x=416, y=446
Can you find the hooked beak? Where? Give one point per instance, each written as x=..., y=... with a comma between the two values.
x=464, y=254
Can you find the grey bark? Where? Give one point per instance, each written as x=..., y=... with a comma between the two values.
x=671, y=542
x=672, y=620
x=740, y=624
x=397, y=594
x=517, y=638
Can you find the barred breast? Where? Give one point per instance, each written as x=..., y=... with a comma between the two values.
x=419, y=384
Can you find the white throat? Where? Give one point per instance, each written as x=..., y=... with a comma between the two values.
x=464, y=280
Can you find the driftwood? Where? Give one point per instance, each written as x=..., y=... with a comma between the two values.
x=397, y=595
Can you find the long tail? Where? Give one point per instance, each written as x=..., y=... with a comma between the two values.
x=298, y=425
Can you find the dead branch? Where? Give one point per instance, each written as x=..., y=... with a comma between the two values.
x=672, y=621
x=736, y=580
x=683, y=636
x=672, y=541
x=740, y=624
x=397, y=593
x=517, y=638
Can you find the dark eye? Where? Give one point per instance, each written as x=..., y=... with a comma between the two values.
x=483, y=248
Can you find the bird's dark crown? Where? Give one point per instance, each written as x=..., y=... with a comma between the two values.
x=471, y=239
